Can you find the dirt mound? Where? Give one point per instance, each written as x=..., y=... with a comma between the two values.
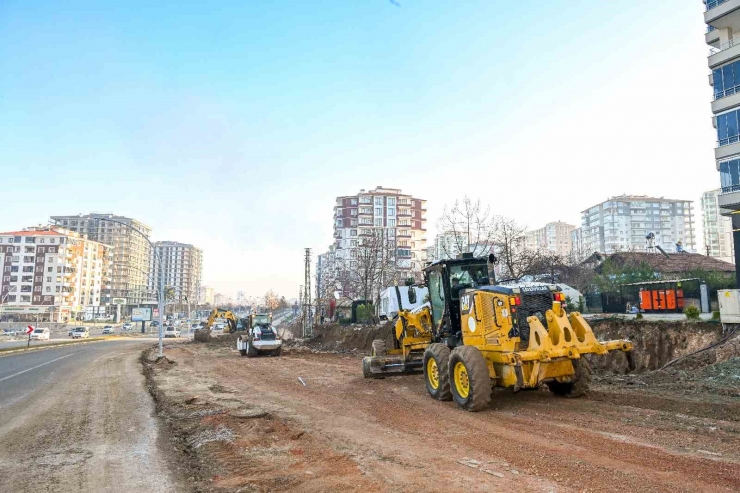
x=655, y=343
x=345, y=338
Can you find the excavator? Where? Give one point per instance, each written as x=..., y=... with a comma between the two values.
x=204, y=334
x=475, y=334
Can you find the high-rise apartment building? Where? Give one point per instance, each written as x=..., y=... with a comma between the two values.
x=448, y=245
x=131, y=251
x=553, y=237
x=622, y=224
x=723, y=25
x=717, y=228
x=183, y=270
x=54, y=269
x=397, y=215
x=206, y=295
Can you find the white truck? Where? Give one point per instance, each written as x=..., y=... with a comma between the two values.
x=261, y=338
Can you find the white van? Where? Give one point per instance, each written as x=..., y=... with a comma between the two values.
x=40, y=334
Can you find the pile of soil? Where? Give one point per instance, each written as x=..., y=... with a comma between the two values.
x=345, y=338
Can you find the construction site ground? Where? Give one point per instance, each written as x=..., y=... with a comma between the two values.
x=308, y=421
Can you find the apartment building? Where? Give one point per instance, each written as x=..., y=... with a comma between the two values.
x=206, y=295
x=400, y=217
x=131, y=251
x=555, y=237
x=622, y=224
x=183, y=269
x=54, y=269
x=717, y=228
x=722, y=18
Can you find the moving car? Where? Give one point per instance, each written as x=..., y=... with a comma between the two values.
x=154, y=323
x=72, y=331
x=108, y=329
x=171, y=332
x=80, y=333
x=10, y=332
x=127, y=326
x=40, y=334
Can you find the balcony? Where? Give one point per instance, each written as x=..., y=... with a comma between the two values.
x=724, y=100
x=724, y=52
x=727, y=147
x=729, y=200
x=722, y=13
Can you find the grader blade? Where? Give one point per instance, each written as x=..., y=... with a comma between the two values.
x=381, y=366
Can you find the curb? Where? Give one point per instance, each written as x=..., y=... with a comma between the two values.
x=7, y=351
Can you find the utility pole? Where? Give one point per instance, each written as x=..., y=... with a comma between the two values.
x=307, y=319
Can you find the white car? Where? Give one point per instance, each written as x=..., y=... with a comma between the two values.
x=127, y=326
x=218, y=329
x=40, y=334
x=80, y=333
x=108, y=329
x=171, y=331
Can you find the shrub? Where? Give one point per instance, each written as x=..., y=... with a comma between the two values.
x=581, y=304
x=638, y=316
x=692, y=312
x=715, y=316
x=365, y=313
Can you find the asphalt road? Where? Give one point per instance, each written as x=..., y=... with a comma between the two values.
x=79, y=418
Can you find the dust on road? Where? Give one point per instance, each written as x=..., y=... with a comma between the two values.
x=249, y=424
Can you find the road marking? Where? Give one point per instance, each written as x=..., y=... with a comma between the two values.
x=42, y=364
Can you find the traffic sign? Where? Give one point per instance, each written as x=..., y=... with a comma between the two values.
x=29, y=329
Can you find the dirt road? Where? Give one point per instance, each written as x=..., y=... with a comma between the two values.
x=343, y=433
x=80, y=419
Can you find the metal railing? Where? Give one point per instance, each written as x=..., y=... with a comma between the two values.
x=710, y=28
x=724, y=46
x=729, y=140
x=731, y=189
x=726, y=92
x=714, y=3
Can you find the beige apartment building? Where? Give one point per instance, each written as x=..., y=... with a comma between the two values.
x=555, y=237
x=53, y=272
x=183, y=270
x=131, y=252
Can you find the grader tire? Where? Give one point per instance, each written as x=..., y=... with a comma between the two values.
x=471, y=383
x=243, y=352
x=276, y=352
x=437, y=371
x=379, y=348
x=581, y=383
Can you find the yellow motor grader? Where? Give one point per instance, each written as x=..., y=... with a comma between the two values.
x=474, y=334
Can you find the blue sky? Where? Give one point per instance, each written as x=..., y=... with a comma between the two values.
x=234, y=125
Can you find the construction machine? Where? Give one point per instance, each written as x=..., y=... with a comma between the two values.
x=411, y=335
x=217, y=315
x=261, y=337
x=484, y=335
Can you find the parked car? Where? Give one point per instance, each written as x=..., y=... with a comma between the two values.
x=80, y=333
x=195, y=326
x=171, y=332
x=40, y=334
x=108, y=329
x=154, y=323
x=127, y=326
x=10, y=332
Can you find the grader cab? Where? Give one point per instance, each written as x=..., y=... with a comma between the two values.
x=479, y=335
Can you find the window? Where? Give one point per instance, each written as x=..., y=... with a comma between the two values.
x=366, y=220
x=391, y=202
x=391, y=223
x=353, y=212
x=25, y=289
x=378, y=200
x=378, y=211
x=379, y=222
x=37, y=289
x=353, y=232
x=28, y=260
x=28, y=268
x=48, y=279
x=50, y=269
x=391, y=212
x=729, y=173
x=727, y=128
x=353, y=201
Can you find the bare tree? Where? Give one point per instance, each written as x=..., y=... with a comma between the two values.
x=466, y=227
x=373, y=263
x=515, y=258
x=271, y=300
